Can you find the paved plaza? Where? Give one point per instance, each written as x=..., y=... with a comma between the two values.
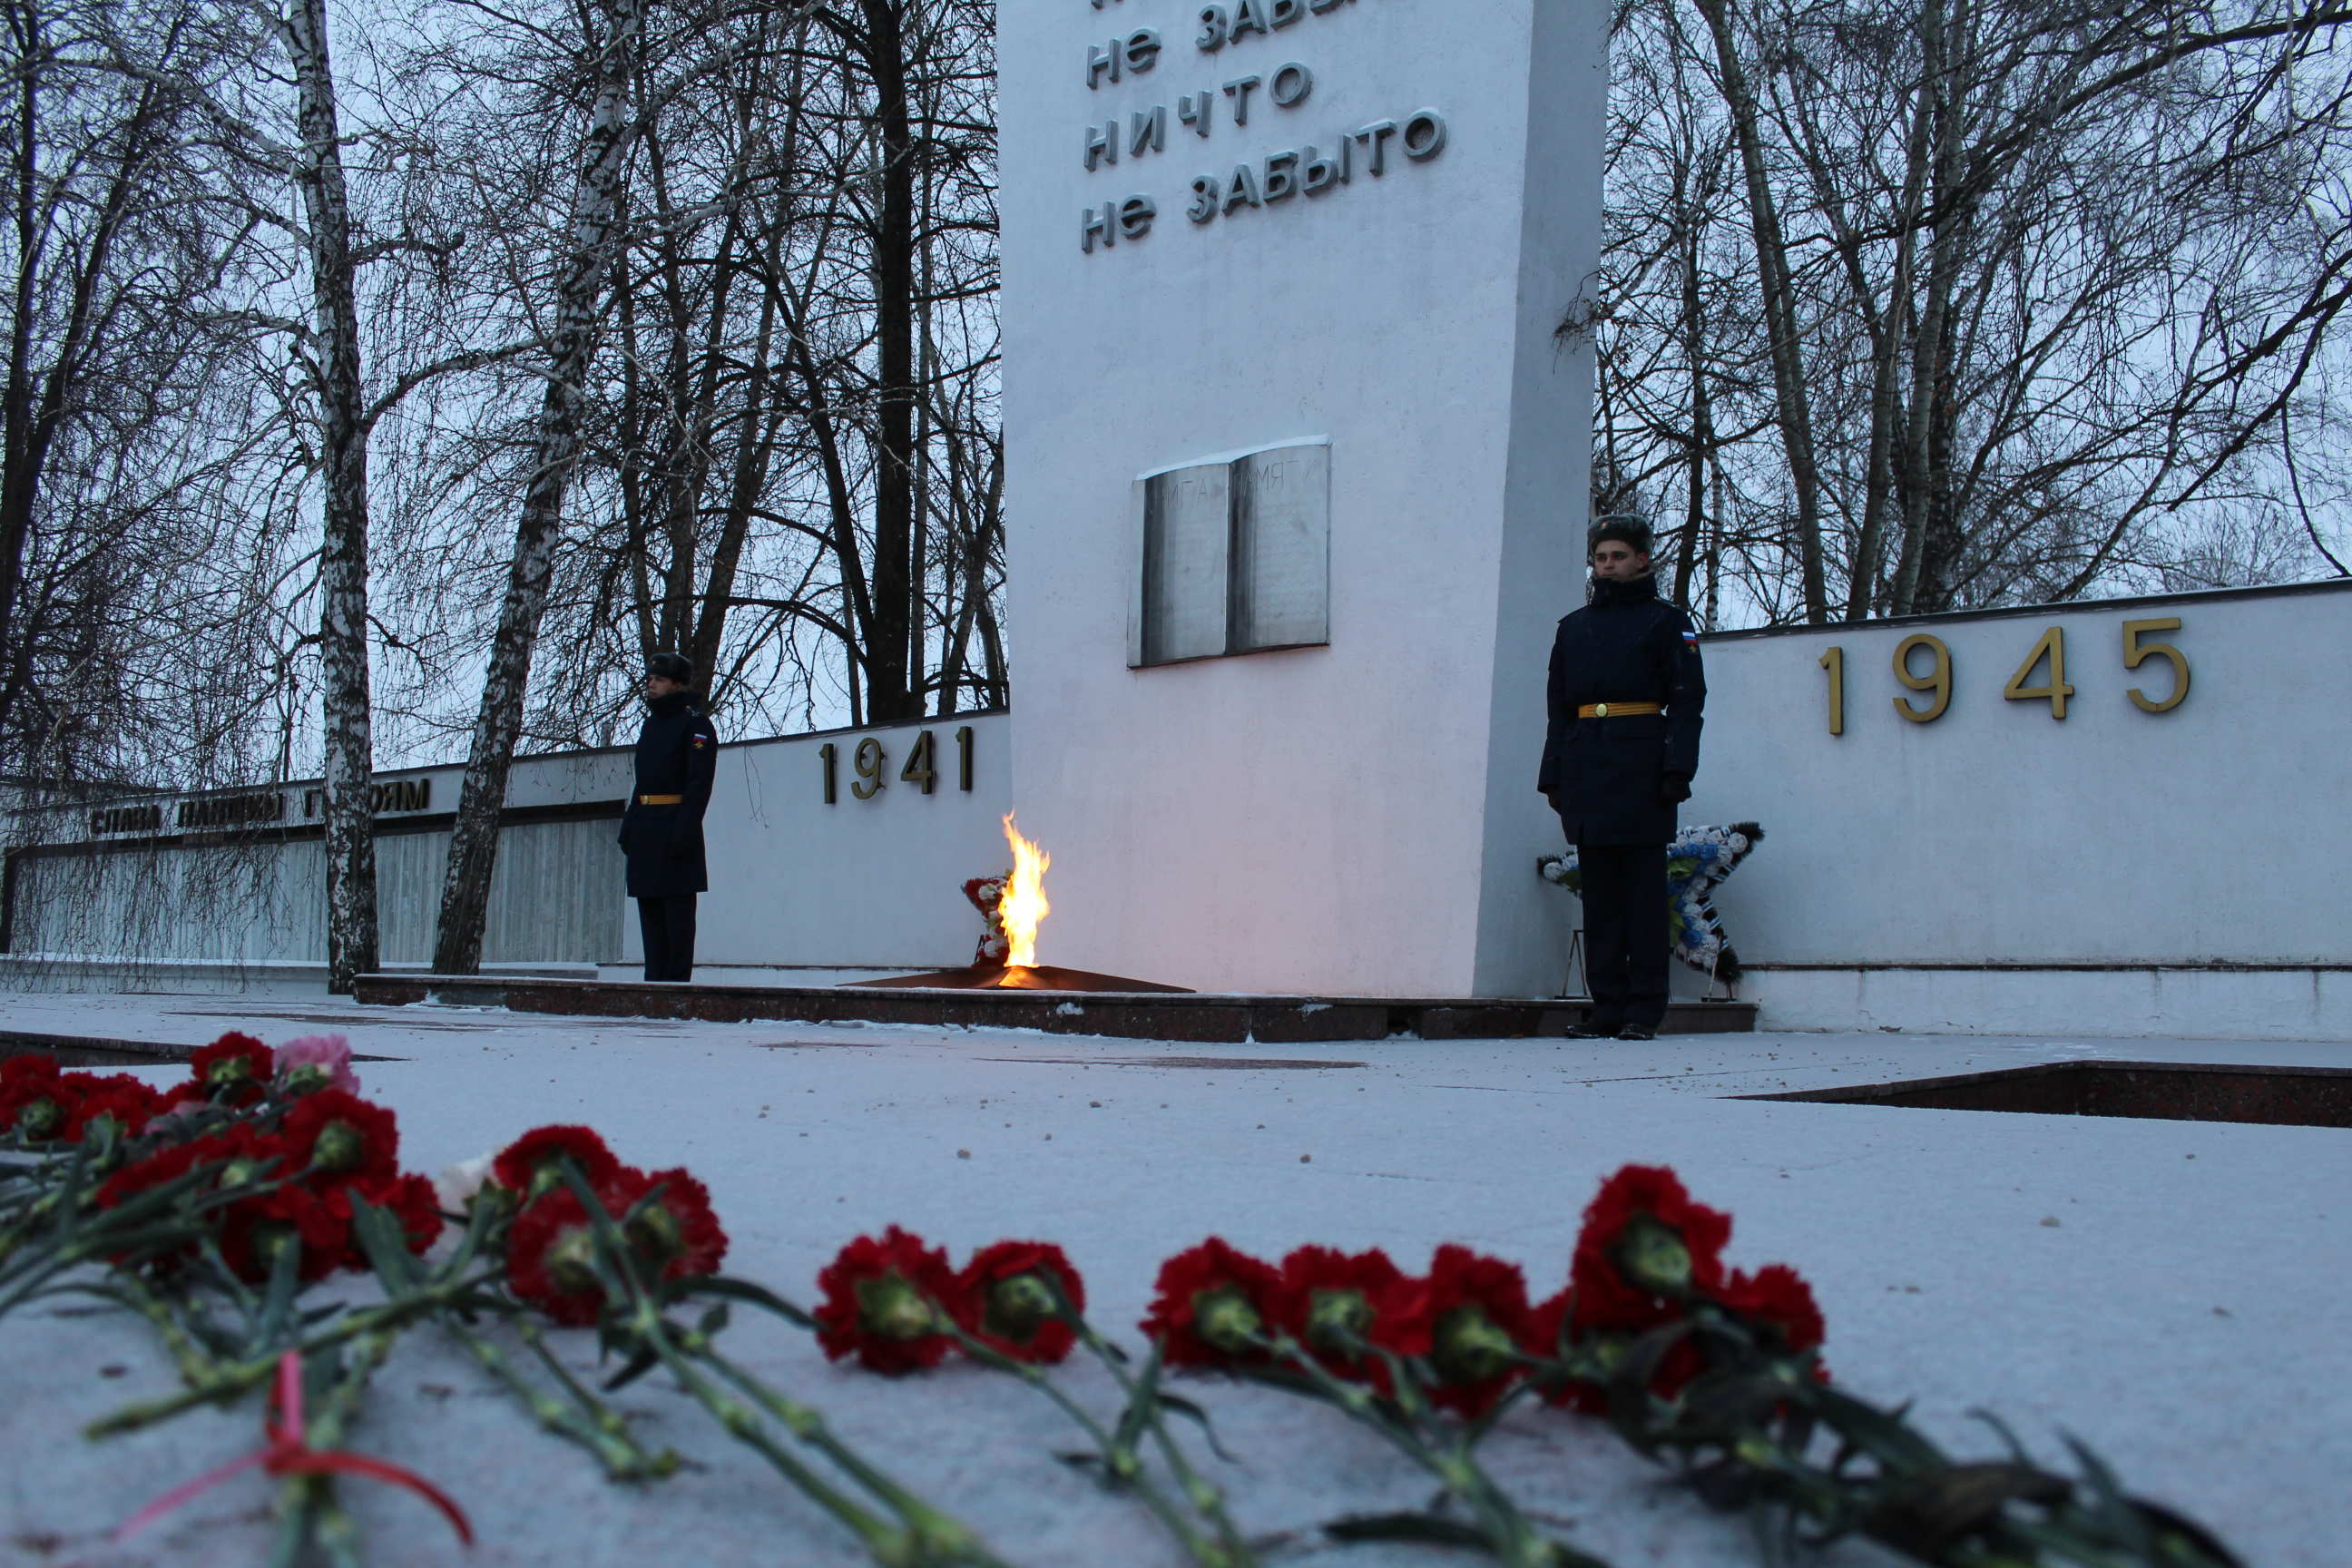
x=2172, y=1292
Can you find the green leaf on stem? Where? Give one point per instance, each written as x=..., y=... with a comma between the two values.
x=1928, y=1515
x=745, y=1291
x=1423, y=1529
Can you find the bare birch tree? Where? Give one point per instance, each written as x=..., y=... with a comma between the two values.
x=2043, y=293
x=348, y=709
x=594, y=232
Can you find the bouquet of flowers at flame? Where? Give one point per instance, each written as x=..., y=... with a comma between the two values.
x=214, y=1211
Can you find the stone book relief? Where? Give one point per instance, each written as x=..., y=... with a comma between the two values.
x=1232, y=557
x=1279, y=585
x=1187, y=544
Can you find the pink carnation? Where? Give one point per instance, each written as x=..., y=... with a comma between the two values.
x=330, y=1052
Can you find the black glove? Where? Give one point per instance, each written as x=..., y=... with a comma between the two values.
x=680, y=850
x=1673, y=788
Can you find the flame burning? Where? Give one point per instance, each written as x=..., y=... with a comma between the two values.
x=1024, y=904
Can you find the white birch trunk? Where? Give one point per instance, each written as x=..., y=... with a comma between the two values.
x=351, y=930
x=594, y=233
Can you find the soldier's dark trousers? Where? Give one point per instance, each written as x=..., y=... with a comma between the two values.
x=667, y=925
x=1625, y=931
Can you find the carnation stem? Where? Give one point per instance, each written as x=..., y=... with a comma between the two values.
x=937, y=1537
x=926, y=1536
x=308, y=1508
x=1143, y=1397
x=222, y=1381
x=1122, y=1466
x=1450, y=1456
x=885, y=1542
x=586, y=1421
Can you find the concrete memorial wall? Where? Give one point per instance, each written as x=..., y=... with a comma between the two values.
x=852, y=861
x=1297, y=450
x=1999, y=845
x=841, y=851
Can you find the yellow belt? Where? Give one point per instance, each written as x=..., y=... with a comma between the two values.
x=661, y=800
x=1618, y=709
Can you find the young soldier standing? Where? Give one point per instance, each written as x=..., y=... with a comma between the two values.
x=661, y=832
x=1625, y=696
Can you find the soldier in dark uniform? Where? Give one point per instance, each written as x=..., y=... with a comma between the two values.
x=661, y=832
x=1624, y=701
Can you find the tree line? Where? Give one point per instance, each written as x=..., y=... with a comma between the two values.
x=396, y=388
x=1921, y=305
x=387, y=383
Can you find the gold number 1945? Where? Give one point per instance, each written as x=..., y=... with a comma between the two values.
x=2053, y=644
x=2136, y=650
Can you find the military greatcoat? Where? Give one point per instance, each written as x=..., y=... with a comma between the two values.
x=678, y=754
x=1626, y=645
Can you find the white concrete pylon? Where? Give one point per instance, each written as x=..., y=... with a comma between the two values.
x=1360, y=239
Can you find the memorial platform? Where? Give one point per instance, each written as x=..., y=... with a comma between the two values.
x=1141, y=1015
x=2168, y=1290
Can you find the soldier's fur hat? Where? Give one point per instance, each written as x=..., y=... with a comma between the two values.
x=1625, y=530
x=671, y=667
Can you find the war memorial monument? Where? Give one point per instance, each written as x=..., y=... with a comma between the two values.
x=2036, y=1062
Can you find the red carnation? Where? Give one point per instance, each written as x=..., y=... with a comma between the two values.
x=320, y=1219
x=340, y=1139
x=551, y=1251
x=411, y=1202
x=165, y=1165
x=551, y=1260
x=1552, y=1321
x=130, y=1103
x=1212, y=1301
x=34, y=1101
x=1474, y=1321
x=1547, y=1322
x=1329, y=1300
x=678, y=1233
x=1777, y=1297
x=234, y=1070
x=883, y=1300
x=319, y=1225
x=532, y=1163
x=1644, y=1245
x=1004, y=1300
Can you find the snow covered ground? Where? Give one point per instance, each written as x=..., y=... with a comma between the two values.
x=2172, y=1292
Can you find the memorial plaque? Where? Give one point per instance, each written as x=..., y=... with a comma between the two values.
x=1281, y=571
x=1234, y=557
x=1187, y=541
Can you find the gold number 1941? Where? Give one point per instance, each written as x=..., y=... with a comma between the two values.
x=920, y=768
x=1938, y=680
x=869, y=760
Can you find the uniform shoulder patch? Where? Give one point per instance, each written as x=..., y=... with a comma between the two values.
x=700, y=741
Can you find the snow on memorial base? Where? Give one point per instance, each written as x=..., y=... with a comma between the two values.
x=2081, y=1275
x=1295, y=399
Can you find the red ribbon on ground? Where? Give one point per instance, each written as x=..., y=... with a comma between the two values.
x=290, y=1454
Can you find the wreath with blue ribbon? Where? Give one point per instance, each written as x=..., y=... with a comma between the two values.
x=1697, y=861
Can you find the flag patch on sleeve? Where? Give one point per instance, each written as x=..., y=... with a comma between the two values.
x=1690, y=640
x=700, y=741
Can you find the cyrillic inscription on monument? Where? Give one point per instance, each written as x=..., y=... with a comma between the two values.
x=1260, y=178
